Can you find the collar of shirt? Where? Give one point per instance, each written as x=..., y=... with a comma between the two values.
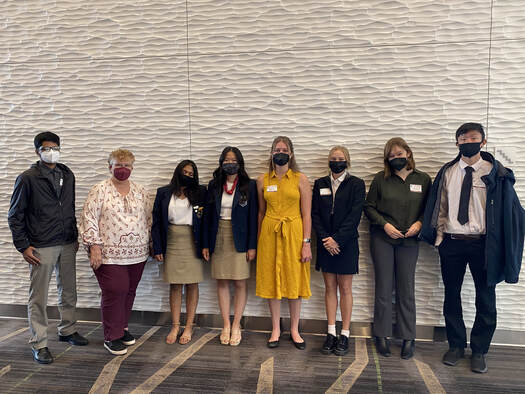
x=338, y=180
x=48, y=170
x=476, y=166
x=287, y=174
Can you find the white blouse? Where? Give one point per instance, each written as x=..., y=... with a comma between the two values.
x=180, y=211
x=227, y=203
x=119, y=224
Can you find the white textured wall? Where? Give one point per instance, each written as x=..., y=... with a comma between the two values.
x=175, y=79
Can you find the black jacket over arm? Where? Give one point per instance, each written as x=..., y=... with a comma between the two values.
x=339, y=219
x=244, y=218
x=159, y=228
x=37, y=216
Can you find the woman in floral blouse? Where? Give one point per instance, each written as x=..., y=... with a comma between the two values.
x=115, y=228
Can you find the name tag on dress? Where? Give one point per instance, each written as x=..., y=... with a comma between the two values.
x=416, y=188
x=271, y=188
x=325, y=191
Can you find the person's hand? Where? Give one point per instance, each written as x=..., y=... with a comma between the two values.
x=206, y=254
x=331, y=246
x=250, y=255
x=306, y=252
x=393, y=232
x=159, y=257
x=413, y=230
x=95, y=256
x=30, y=257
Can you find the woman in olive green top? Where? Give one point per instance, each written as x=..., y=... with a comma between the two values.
x=395, y=205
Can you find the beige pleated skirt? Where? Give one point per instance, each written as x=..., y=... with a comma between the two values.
x=181, y=266
x=226, y=262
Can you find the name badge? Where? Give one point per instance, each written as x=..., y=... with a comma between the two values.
x=325, y=191
x=271, y=188
x=416, y=188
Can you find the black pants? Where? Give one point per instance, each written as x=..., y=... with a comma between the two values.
x=394, y=265
x=455, y=255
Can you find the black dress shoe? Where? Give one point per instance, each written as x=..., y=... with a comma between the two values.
x=383, y=346
x=298, y=345
x=329, y=344
x=478, y=363
x=453, y=355
x=43, y=356
x=273, y=344
x=342, y=346
x=407, y=351
x=74, y=339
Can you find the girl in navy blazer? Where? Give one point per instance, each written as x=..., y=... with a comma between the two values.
x=337, y=205
x=177, y=241
x=230, y=235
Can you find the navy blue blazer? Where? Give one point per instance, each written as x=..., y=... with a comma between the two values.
x=159, y=229
x=244, y=218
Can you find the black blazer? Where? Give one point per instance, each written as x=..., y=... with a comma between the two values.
x=342, y=224
x=159, y=229
x=244, y=218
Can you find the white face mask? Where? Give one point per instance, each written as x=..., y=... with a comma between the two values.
x=50, y=157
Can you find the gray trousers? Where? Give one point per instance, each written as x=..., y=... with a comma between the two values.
x=63, y=259
x=394, y=264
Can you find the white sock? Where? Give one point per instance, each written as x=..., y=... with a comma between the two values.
x=331, y=329
x=346, y=333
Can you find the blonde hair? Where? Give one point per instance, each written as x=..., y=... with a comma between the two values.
x=342, y=149
x=121, y=155
x=292, y=165
x=401, y=143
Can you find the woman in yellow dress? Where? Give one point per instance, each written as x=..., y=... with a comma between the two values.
x=283, y=249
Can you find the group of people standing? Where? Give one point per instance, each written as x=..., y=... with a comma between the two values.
x=471, y=213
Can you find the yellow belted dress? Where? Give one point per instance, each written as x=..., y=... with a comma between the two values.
x=280, y=272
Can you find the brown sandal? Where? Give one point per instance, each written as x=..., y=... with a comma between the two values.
x=171, y=338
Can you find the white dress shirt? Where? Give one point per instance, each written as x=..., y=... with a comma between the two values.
x=227, y=203
x=337, y=182
x=180, y=211
x=451, y=193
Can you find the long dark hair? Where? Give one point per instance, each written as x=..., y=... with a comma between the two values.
x=219, y=176
x=192, y=192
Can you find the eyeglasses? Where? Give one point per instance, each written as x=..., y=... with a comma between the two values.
x=49, y=148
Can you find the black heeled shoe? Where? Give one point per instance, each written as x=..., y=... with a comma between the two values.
x=383, y=346
x=408, y=348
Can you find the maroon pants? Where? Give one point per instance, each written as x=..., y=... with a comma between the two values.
x=118, y=284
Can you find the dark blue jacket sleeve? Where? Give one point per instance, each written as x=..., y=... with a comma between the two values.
x=16, y=215
x=252, y=221
x=348, y=229
x=156, y=225
x=317, y=222
x=206, y=219
x=513, y=233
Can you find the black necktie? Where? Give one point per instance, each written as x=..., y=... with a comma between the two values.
x=464, y=199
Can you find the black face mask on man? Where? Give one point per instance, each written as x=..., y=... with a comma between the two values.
x=469, y=149
x=398, y=163
x=281, y=159
x=337, y=166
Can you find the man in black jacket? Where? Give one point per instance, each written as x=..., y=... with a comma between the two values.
x=42, y=220
x=474, y=217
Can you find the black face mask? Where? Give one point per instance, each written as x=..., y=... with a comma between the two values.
x=337, y=166
x=281, y=159
x=470, y=149
x=186, y=180
x=398, y=163
x=230, y=168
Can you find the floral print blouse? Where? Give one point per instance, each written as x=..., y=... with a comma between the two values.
x=121, y=225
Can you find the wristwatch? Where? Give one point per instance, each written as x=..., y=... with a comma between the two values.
x=306, y=240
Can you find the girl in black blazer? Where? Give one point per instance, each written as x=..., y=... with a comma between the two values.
x=177, y=241
x=230, y=230
x=337, y=205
